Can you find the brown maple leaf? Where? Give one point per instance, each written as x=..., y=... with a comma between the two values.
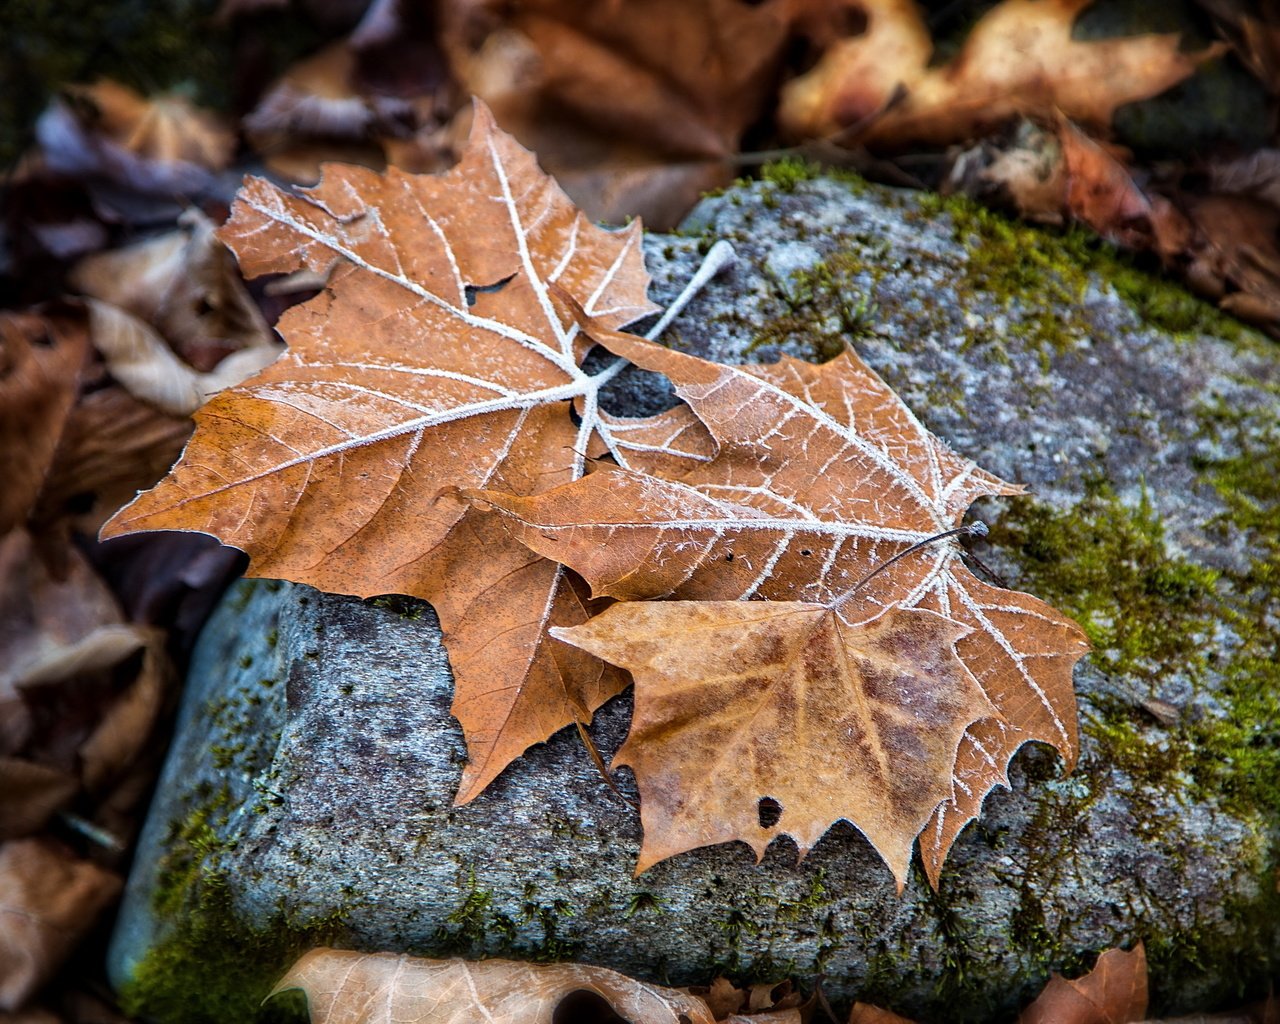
x=158, y=144
x=41, y=359
x=635, y=105
x=185, y=284
x=382, y=988
x=821, y=475
x=1114, y=992
x=436, y=358
x=755, y=719
x=1020, y=58
x=49, y=899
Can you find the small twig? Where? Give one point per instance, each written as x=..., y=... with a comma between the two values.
x=978, y=529
x=91, y=831
x=987, y=569
x=601, y=767
x=841, y=141
x=823, y=1001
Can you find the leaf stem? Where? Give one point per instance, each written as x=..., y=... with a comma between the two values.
x=717, y=258
x=976, y=529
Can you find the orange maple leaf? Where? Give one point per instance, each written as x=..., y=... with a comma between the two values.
x=755, y=719
x=821, y=475
x=435, y=358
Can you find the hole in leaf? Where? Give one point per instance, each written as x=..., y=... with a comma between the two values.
x=583, y=1007
x=806, y=552
x=729, y=557
x=203, y=307
x=769, y=811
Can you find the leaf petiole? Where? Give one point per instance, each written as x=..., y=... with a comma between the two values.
x=975, y=529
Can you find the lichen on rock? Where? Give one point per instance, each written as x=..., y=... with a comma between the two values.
x=309, y=792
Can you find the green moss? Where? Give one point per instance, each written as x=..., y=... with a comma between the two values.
x=1153, y=616
x=1010, y=260
x=826, y=307
x=642, y=903
x=410, y=609
x=790, y=171
x=210, y=969
x=468, y=924
x=1164, y=303
x=1105, y=563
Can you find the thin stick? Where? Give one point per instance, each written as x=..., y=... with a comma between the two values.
x=91, y=831
x=600, y=765
x=720, y=256
x=978, y=529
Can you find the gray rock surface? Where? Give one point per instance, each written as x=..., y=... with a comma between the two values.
x=308, y=795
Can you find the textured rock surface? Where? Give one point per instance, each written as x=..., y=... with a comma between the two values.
x=309, y=792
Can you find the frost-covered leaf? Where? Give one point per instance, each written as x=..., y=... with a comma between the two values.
x=438, y=357
x=822, y=474
x=755, y=719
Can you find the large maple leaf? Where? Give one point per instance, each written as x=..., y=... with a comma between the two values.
x=821, y=475
x=436, y=358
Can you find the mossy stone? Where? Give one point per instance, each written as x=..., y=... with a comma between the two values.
x=309, y=793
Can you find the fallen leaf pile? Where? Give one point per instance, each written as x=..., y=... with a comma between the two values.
x=92, y=407
x=1220, y=239
x=381, y=988
x=160, y=144
x=431, y=429
x=441, y=363
x=821, y=474
x=1020, y=58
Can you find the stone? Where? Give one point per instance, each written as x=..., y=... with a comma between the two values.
x=308, y=796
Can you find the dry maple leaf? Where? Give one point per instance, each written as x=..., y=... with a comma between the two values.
x=153, y=144
x=635, y=105
x=744, y=707
x=41, y=359
x=1019, y=58
x=184, y=284
x=49, y=899
x=436, y=358
x=383, y=988
x=822, y=474
x=1114, y=992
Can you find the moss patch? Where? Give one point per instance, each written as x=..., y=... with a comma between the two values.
x=1010, y=260
x=409, y=608
x=1105, y=563
x=211, y=970
x=827, y=307
x=1154, y=616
